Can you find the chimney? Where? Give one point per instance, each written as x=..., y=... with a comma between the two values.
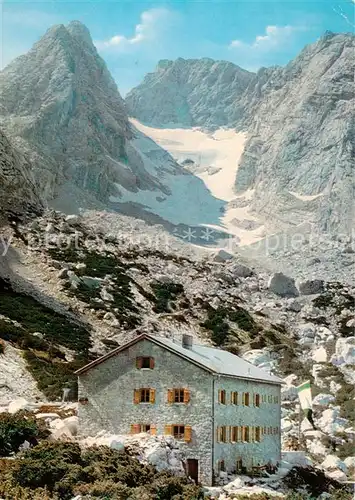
x=187, y=341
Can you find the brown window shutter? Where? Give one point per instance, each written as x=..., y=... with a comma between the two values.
x=219, y=396
x=135, y=428
x=187, y=433
x=151, y=363
x=136, y=397
x=168, y=430
x=153, y=430
x=170, y=396
x=152, y=396
x=186, y=396
x=139, y=362
x=217, y=434
x=232, y=397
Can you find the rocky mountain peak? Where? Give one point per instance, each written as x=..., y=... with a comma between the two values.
x=196, y=93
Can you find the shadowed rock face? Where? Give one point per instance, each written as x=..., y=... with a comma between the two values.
x=61, y=104
x=18, y=193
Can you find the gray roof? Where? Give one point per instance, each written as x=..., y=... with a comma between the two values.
x=209, y=358
x=219, y=361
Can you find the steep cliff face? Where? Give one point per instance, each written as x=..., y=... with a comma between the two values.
x=61, y=104
x=18, y=193
x=300, y=136
x=188, y=92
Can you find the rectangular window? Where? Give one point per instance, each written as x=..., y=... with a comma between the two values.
x=235, y=434
x=138, y=428
x=234, y=398
x=265, y=430
x=239, y=464
x=145, y=362
x=222, y=434
x=245, y=434
x=178, y=396
x=269, y=399
x=221, y=466
x=179, y=431
x=257, y=400
x=246, y=398
x=222, y=396
x=270, y=430
x=276, y=399
x=145, y=395
x=257, y=434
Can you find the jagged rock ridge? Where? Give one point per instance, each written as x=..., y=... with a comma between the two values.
x=188, y=92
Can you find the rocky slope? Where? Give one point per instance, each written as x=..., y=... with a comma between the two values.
x=297, y=157
x=188, y=92
x=61, y=107
x=77, y=287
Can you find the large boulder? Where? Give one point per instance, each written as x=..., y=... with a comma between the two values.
x=283, y=285
x=344, y=352
x=241, y=271
x=311, y=287
x=18, y=405
x=222, y=256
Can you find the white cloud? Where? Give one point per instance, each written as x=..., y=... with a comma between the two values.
x=152, y=24
x=274, y=36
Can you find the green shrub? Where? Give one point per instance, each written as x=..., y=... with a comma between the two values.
x=14, y=430
x=165, y=295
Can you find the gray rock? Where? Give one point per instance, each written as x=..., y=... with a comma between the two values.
x=222, y=256
x=62, y=274
x=241, y=271
x=80, y=268
x=311, y=287
x=282, y=285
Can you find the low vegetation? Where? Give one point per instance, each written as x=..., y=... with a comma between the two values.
x=58, y=471
x=41, y=332
x=165, y=295
x=15, y=429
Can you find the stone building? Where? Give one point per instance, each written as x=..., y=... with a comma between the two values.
x=225, y=410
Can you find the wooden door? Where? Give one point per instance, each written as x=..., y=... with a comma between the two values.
x=192, y=469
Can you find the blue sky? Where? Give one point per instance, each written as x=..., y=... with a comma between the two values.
x=133, y=35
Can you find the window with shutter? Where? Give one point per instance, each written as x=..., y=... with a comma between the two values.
x=246, y=399
x=145, y=395
x=222, y=434
x=222, y=396
x=257, y=400
x=145, y=362
x=234, y=434
x=135, y=428
x=153, y=430
x=234, y=398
